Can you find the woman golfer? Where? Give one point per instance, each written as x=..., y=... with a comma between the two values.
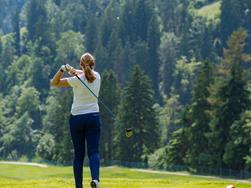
x=84, y=119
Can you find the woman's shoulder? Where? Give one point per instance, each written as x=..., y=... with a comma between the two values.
x=97, y=75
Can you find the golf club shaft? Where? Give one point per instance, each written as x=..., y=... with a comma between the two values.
x=106, y=107
x=129, y=131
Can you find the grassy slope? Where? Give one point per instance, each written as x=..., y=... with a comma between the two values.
x=211, y=12
x=19, y=176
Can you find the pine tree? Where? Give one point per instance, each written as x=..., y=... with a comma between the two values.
x=245, y=138
x=169, y=14
x=197, y=154
x=16, y=26
x=247, y=23
x=153, y=41
x=91, y=35
x=109, y=94
x=137, y=111
x=239, y=100
x=3, y=75
x=232, y=15
x=101, y=56
x=114, y=50
x=184, y=22
x=229, y=97
x=127, y=23
x=2, y=119
x=169, y=50
x=134, y=21
x=207, y=49
x=110, y=18
x=140, y=56
x=37, y=21
x=142, y=15
x=126, y=59
x=178, y=144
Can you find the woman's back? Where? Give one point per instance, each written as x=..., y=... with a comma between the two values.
x=83, y=100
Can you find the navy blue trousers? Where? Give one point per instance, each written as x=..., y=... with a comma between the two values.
x=85, y=129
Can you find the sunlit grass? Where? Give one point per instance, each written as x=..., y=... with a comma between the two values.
x=20, y=176
x=211, y=12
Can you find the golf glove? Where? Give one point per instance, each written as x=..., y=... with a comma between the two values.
x=66, y=67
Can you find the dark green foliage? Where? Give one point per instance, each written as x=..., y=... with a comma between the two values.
x=231, y=100
x=55, y=123
x=136, y=111
x=178, y=145
x=244, y=139
x=38, y=76
x=46, y=147
x=184, y=21
x=70, y=47
x=7, y=13
x=22, y=112
x=110, y=95
x=153, y=41
x=197, y=32
x=233, y=15
x=197, y=153
x=170, y=116
x=125, y=61
x=176, y=148
x=109, y=46
x=237, y=149
x=248, y=21
x=16, y=139
x=207, y=44
x=7, y=49
x=37, y=21
x=19, y=72
x=169, y=48
x=28, y=102
x=111, y=18
x=185, y=72
x=168, y=41
x=158, y=159
x=168, y=12
x=16, y=26
x=91, y=35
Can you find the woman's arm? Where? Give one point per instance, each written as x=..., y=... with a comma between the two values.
x=58, y=81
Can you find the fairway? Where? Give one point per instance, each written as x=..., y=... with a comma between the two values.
x=22, y=176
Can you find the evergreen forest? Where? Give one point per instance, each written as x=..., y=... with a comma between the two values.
x=176, y=71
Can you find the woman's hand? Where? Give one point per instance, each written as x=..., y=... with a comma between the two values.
x=67, y=68
x=63, y=68
x=57, y=80
x=71, y=70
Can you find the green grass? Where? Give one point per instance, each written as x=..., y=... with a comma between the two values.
x=211, y=12
x=20, y=176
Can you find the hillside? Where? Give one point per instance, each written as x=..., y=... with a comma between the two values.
x=211, y=11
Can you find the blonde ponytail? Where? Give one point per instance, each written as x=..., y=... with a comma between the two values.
x=87, y=61
x=89, y=74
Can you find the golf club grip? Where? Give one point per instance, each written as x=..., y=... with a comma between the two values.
x=106, y=107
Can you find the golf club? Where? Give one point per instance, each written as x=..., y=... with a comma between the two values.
x=128, y=131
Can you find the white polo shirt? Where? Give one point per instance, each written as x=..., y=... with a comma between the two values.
x=83, y=100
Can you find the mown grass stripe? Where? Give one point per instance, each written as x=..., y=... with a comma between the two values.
x=19, y=176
